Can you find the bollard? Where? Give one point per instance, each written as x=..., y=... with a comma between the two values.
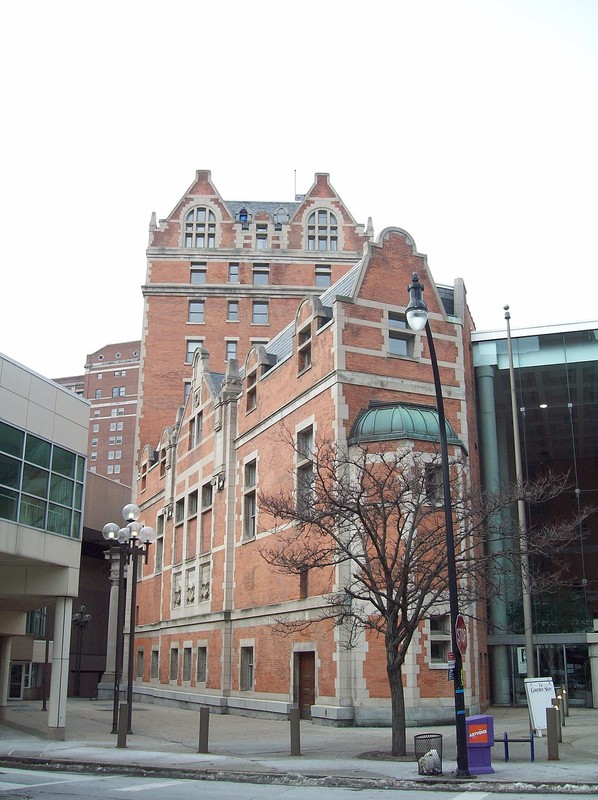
x=123, y=724
x=561, y=703
x=565, y=696
x=557, y=708
x=552, y=733
x=294, y=717
x=204, y=729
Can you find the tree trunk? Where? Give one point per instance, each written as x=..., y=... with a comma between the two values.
x=397, y=704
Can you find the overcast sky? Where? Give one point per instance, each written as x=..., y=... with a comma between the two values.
x=471, y=124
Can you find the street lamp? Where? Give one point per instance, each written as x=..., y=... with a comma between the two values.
x=80, y=620
x=417, y=319
x=133, y=540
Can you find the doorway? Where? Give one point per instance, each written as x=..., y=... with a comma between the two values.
x=15, y=690
x=306, y=682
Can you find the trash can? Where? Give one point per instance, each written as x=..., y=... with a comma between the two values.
x=480, y=739
x=428, y=753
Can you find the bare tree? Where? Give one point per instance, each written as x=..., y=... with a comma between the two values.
x=375, y=520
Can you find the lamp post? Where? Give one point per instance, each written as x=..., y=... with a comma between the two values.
x=417, y=319
x=133, y=540
x=80, y=620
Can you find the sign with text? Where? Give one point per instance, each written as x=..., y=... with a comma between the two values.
x=539, y=693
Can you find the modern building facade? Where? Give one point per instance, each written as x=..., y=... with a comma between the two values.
x=207, y=601
x=43, y=442
x=556, y=390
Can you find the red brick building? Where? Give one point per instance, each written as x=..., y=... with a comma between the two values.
x=111, y=384
x=207, y=600
x=229, y=274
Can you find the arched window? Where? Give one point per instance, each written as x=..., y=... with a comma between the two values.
x=200, y=228
x=322, y=230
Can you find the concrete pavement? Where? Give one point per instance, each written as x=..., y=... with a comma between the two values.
x=165, y=740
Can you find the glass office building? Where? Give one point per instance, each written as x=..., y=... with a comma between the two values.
x=556, y=390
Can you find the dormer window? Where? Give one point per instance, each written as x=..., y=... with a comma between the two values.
x=251, y=389
x=200, y=228
x=304, y=348
x=244, y=219
x=322, y=230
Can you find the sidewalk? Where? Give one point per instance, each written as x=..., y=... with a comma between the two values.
x=165, y=739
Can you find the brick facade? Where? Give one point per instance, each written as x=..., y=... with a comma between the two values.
x=208, y=601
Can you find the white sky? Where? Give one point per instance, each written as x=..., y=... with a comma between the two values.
x=473, y=124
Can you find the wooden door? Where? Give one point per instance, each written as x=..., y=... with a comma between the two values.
x=306, y=664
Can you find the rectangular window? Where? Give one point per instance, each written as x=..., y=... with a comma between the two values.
x=247, y=667
x=98, y=394
x=119, y=440
x=113, y=412
x=231, y=349
x=155, y=664
x=202, y=664
x=159, y=553
x=261, y=236
x=179, y=510
x=196, y=311
x=110, y=455
x=192, y=345
x=111, y=440
x=434, y=484
x=174, y=664
x=206, y=495
x=96, y=429
x=233, y=311
x=260, y=313
x=261, y=274
x=94, y=442
x=192, y=504
x=117, y=472
x=139, y=671
x=110, y=469
x=251, y=390
x=400, y=340
x=304, y=348
x=249, y=500
x=119, y=426
x=121, y=412
x=440, y=639
x=198, y=274
x=323, y=276
x=187, y=664
x=233, y=273
x=305, y=467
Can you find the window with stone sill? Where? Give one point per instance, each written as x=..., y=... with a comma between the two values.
x=177, y=594
x=233, y=273
x=304, y=348
x=174, y=664
x=200, y=228
x=202, y=664
x=261, y=275
x=246, y=678
x=233, y=311
x=198, y=274
x=196, y=311
x=249, y=500
x=322, y=230
x=187, y=663
x=154, y=664
x=400, y=336
x=440, y=639
x=323, y=276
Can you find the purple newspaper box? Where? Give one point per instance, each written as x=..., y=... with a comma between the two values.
x=480, y=738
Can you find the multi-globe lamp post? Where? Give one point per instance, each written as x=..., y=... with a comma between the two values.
x=417, y=318
x=133, y=540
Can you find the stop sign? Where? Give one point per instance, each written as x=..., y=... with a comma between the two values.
x=461, y=634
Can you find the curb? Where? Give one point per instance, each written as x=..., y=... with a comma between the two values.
x=299, y=779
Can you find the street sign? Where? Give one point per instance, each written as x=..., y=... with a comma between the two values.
x=461, y=634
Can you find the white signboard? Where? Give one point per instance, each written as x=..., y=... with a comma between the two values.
x=540, y=693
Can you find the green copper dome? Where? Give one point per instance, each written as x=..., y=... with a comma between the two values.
x=399, y=421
